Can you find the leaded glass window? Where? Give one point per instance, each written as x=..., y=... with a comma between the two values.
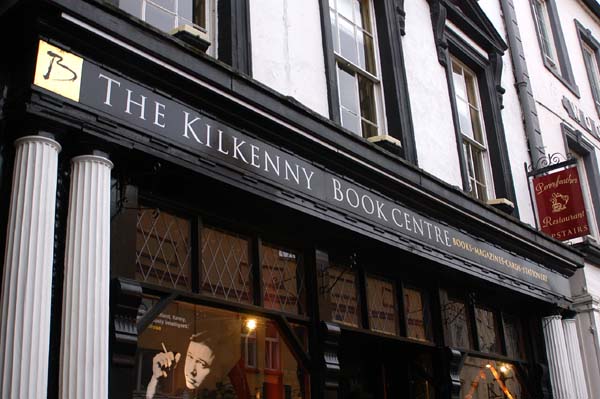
x=416, y=310
x=283, y=280
x=381, y=302
x=487, y=330
x=163, y=249
x=344, y=297
x=456, y=324
x=226, y=271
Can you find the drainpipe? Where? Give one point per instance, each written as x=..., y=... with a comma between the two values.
x=532, y=127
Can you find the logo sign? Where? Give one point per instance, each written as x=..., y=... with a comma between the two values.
x=58, y=71
x=561, y=209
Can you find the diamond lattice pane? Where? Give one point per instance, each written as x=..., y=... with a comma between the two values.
x=382, y=306
x=342, y=283
x=226, y=271
x=283, y=280
x=163, y=250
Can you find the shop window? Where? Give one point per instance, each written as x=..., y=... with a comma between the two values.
x=590, y=49
x=456, y=322
x=226, y=272
x=513, y=337
x=194, y=351
x=487, y=330
x=552, y=43
x=344, y=296
x=472, y=131
x=163, y=249
x=283, y=280
x=358, y=73
x=417, y=314
x=489, y=379
x=381, y=303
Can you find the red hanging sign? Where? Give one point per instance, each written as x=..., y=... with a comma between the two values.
x=561, y=209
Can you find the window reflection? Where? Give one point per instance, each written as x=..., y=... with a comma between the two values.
x=487, y=330
x=456, y=326
x=489, y=379
x=382, y=306
x=192, y=351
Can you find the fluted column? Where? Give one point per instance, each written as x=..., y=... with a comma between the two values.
x=558, y=359
x=85, y=318
x=575, y=361
x=27, y=277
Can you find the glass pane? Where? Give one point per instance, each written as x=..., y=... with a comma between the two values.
x=186, y=9
x=368, y=54
x=513, y=336
x=345, y=8
x=416, y=310
x=200, y=12
x=169, y=5
x=342, y=286
x=348, y=90
x=464, y=117
x=489, y=379
x=487, y=331
x=367, y=100
x=368, y=129
x=456, y=326
x=347, y=41
x=362, y=7
x=476, y=125
x=226, y=271
x=460, y=89
x=381, y=301
x=283, y=280
x=133, y=7
x=159, y=18
x=163, y=249
x=351, y=121
x=192, y=351
x=334, y=31
x=332, y=4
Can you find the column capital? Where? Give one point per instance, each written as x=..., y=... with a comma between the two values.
x=93, y=158
x=38, y=139
x=553, y=317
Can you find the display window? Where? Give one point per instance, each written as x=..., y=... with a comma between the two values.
x=490, y=379
x=194, y=351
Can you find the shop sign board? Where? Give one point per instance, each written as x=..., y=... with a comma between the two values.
x=560, y=204
x=191, y=130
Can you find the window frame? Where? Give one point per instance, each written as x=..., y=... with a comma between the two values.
x=388, y=19
x=230, y=31
x=587, y=41
x=561, y=68
x=585, y=151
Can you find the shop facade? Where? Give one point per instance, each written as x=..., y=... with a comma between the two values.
x=175, y=229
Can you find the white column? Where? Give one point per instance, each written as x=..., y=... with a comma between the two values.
x=558, y=359
x=574, y=353
x=85, y=317
x=27, y=279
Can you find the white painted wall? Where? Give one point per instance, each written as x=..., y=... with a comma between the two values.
x=430, y=102
x=287, y=50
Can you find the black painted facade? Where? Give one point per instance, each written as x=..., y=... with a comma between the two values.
x=167, y=161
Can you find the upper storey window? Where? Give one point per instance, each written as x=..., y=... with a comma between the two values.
x=470, y=118
x=194, y=17
x=358, y=77
x=552, y=43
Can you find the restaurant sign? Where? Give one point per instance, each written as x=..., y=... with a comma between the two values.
x=190, y=130
x=560, y=205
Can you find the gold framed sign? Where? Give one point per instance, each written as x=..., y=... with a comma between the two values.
x=58, y=71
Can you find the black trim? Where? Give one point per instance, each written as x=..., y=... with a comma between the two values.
x=393, y=71
x=330, y=64
x=576, y=142
x=564, y=72
x=234, y=36
x=585, y=36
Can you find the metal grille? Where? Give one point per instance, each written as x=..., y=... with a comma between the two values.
x=163, y=250
x=381, y=300
x=226, y=271
x=344, y=298
x=283, y=280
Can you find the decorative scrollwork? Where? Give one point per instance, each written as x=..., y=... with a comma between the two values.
x=550, y=162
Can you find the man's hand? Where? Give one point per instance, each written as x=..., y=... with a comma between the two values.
x=163, y=363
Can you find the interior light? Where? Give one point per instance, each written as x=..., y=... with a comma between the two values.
x=503, y=369
x=251, y=324
x=488, y=366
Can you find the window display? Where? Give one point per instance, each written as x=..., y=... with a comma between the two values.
x=192, y=351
